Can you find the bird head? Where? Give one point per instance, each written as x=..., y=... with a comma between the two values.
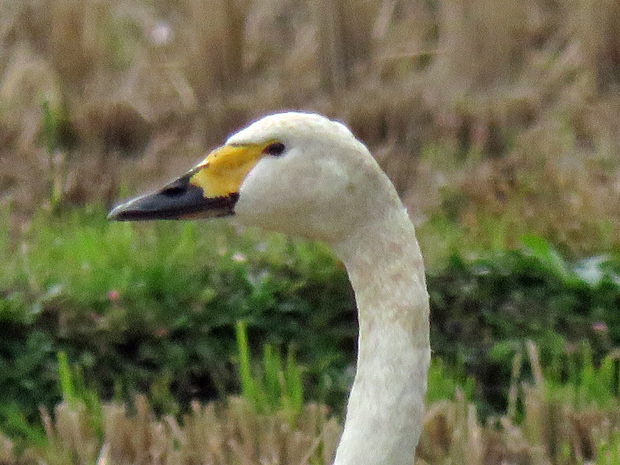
x=296, y=173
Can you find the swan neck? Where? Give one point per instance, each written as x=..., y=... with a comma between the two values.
x=386, y=406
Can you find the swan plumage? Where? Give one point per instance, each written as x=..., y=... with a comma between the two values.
x=305, y=175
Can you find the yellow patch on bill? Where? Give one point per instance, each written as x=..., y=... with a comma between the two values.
x=224, y=169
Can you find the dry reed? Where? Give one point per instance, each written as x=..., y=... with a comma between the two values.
x=552, y=433
x=211, y=434
x=509, y=87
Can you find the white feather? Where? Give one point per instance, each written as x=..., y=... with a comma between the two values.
x=327, y=186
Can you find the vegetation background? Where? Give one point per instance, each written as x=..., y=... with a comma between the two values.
x=496, y=120
x=495, y=109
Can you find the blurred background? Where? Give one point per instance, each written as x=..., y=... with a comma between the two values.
x=498, y=122
x=480, y=108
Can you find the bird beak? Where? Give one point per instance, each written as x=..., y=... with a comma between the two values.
x=209, y=190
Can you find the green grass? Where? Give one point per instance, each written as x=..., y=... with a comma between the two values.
x=608, y=450
x=135, y=305
x=578, y=380
x=271, y=389
x=93, y=324
x=153, y=308
x=445, y=381
x=277, y=386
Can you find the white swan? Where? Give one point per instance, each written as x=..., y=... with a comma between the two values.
x=305, y=175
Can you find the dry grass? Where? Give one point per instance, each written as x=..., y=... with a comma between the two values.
x=554, y=431
x=211, y=434
x=517, y=101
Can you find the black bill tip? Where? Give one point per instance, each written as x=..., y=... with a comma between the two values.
x=178, y=200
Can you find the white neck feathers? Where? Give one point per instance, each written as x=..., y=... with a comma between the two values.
x=386, y=405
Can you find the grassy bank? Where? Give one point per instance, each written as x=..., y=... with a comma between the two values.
x=573, y=420
x=153, y=309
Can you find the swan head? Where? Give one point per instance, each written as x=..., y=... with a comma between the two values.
x=296, y=173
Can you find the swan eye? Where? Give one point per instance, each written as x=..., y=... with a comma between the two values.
x=275, y=149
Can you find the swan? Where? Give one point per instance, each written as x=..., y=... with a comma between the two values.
x=305, y=175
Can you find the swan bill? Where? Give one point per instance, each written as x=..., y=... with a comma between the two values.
x=176, y=201
x=210, y=190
